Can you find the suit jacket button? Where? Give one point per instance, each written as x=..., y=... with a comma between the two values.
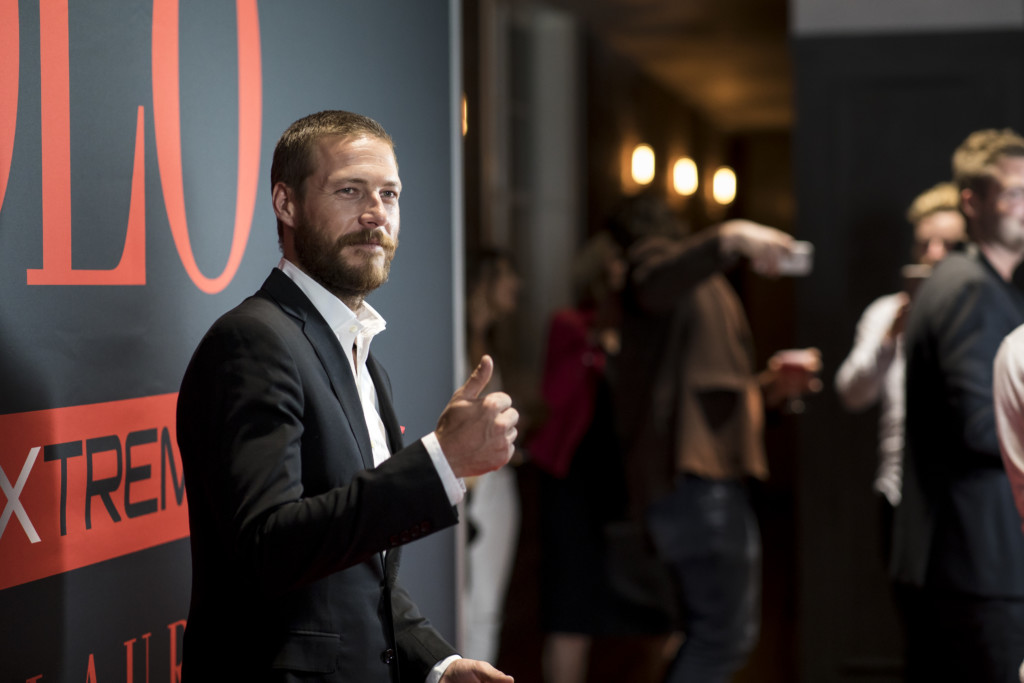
x=388, y=656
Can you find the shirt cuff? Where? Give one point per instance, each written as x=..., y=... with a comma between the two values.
x=453, y=486
x=435, y=674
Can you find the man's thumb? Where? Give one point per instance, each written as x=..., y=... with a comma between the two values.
x=478, y=380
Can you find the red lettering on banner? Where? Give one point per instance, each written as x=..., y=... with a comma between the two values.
x=10, y=55
x=55, y=110
x=129, y=647
x=175, y=628
x=108, y=483
x=55, y=114
x=167, y=129
x=175, y=631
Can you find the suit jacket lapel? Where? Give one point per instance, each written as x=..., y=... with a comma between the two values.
x=387, y=415
x=385, y=406
x=292, y=301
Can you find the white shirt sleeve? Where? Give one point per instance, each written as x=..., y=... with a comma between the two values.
x=453, y=486
x=861, y=376
x=1008, y=397
x=435, y=674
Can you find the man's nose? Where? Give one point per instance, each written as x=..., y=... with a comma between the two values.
x=936, y=250
x=374, y=212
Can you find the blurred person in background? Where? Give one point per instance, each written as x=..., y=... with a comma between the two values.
x=691, y=408
x=492, y=500
x=958, y=551
x=1008, y=394
x=874, y=370
x=582, y=486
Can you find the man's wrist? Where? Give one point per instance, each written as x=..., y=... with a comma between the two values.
x=438, y=671
x=453, y=485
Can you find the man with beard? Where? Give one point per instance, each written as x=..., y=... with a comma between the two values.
x=958, y=551
x=300, y=492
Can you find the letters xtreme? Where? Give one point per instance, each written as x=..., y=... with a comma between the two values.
x=85, y=484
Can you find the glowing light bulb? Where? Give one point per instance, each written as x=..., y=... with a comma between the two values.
x=723, y=186
x=684, y=176
x=643, y=164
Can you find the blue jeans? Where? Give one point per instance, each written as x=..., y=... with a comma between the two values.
x=705, y=531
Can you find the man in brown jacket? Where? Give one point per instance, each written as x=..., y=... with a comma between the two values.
x=690, y=405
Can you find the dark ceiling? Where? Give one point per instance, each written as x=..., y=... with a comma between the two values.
x=727, y=58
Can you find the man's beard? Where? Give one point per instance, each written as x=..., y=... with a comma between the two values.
x=1011, y=234
x=323, y=261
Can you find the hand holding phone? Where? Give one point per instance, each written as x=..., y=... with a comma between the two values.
x=913, y=275
x=799, y=261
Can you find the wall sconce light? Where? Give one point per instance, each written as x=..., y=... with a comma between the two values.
x=684, y=176
x=643, y=164
x=465, y=116
x=723, y=186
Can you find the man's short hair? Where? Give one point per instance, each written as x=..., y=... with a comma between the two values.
x=941, y=197
x=974, y=158
x=642, y=215
x=293, y=155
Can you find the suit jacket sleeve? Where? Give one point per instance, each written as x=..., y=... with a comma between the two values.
x=420, y=647
x=696, y=258
x=967, y=339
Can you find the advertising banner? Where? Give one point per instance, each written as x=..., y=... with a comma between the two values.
x=135, y=148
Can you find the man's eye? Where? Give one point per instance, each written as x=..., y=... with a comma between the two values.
x=389, y=194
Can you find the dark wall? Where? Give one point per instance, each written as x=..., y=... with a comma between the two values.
x=877, y=120
x=625, y=107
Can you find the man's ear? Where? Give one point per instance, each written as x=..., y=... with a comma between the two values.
x=285, y=205
x=968, y=203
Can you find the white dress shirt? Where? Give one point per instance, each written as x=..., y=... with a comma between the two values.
x=875, y=371
x=1008, y=397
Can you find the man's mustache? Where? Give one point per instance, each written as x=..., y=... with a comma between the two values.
x=369, y=236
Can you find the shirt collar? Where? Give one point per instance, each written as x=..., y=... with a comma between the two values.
x=346, y=324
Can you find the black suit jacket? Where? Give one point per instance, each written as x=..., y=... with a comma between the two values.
x=957, y=528
x=288, y=516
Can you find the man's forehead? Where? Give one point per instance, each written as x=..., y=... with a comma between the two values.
x=333, y=139
x=1009, y=165
x=942, y=223
x=355, y=151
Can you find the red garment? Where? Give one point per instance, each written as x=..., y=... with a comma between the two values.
x=573, y=366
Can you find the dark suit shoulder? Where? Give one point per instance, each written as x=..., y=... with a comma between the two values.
x=953, y=272
x=279, y=305
x=953, y=286
x=253, y=324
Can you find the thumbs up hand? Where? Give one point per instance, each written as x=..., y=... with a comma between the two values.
x=477, y=434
